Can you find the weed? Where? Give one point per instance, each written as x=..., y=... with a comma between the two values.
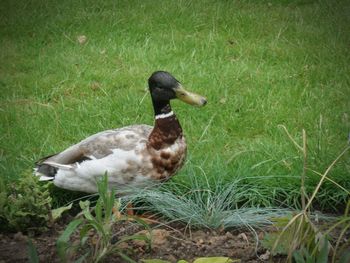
x=106, y=214
x=306, y=243
x=25, y=206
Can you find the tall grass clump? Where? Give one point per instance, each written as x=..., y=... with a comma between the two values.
x=306, y=241
x=216, y=204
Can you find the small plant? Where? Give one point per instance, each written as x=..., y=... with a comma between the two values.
x=105, y=215
x=25, y=205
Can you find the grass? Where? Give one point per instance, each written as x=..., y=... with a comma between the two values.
x=212, y=205
x=261, y=64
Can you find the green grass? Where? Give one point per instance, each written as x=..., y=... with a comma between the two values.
x=259, y=63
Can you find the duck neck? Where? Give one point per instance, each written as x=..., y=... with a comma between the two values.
x=161, y=108
x=167, y=128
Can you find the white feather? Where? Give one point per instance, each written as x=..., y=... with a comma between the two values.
x=164, y=115
x=45, y=178
x=59, y=166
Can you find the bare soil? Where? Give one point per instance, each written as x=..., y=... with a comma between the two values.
x=169, y=242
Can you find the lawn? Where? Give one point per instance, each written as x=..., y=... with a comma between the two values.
x=261, y=64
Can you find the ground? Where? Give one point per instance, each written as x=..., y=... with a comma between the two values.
x=170, y=242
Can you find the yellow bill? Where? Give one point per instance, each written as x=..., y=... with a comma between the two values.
x=189, y=97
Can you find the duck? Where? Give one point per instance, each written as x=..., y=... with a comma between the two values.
x=131, y=156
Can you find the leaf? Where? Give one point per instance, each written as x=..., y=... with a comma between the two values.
x=72, y=226
x=32, y=253
x=81, y=39
x=84, y=204
x=182, y=261
x=84, y=232
x=85, y=207
x=62, y=241
x=134, y=237
x=155, y=261
x=269, y=241
x=99, y=227
x=98, y=210
x=345, y=258
x=297, y=256
x=57, y=213
x=281, y=221
x=215, y=260
x=323, y=255
x=125, y=257
x=107, y=198
x=141, y=222
x=82, y=258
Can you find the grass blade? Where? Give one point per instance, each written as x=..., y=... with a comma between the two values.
x=32, y=252
x=72, y=226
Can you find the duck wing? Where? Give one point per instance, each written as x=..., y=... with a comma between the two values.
x=96, y=146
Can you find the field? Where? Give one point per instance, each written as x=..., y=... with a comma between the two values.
x=269, y=69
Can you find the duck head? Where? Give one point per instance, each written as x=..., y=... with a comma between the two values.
x=164, y=87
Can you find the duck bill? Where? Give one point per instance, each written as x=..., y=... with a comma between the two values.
x=190, y=97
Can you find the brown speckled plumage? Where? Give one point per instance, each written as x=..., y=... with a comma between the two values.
x=167, y=147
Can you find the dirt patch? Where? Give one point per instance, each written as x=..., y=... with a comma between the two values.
x=14, y=247
x=170, y=242
x=172, y=245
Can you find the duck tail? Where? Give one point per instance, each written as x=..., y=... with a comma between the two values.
x=48, y=170
x=45, y=172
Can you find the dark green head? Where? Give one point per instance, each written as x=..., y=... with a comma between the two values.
x=164, y=87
